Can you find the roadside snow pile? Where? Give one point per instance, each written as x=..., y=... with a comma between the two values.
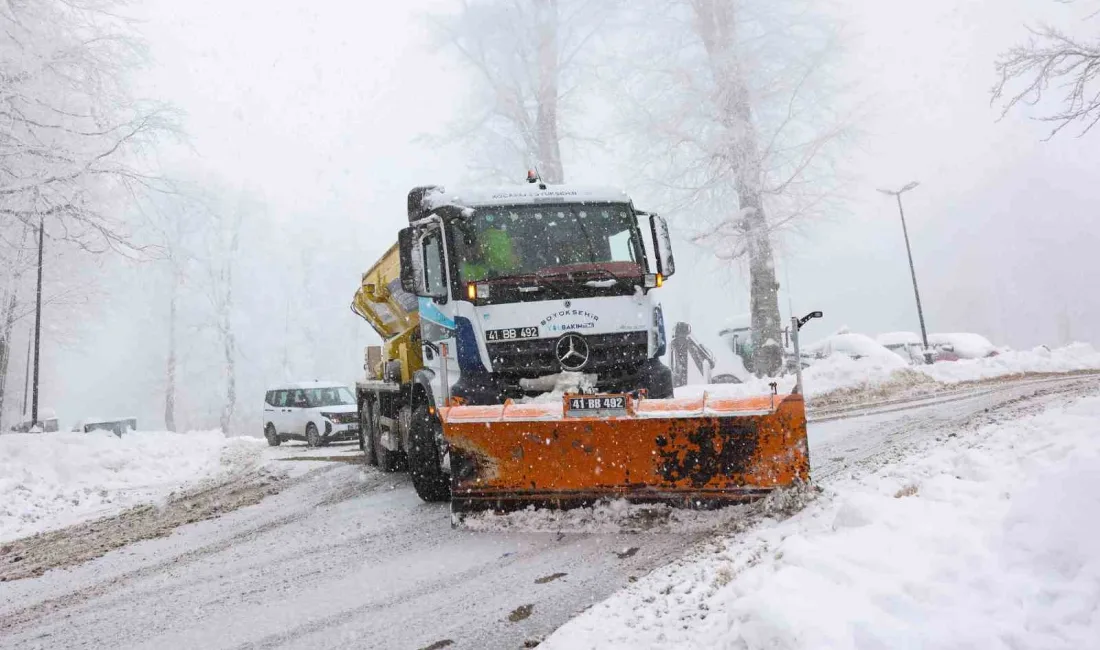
x=824, y=376
x=883, y=374
x=53, y=480
x=984, y=540
x=1079, y=356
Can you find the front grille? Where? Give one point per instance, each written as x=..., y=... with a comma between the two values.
x=344, y=418
x=609, y=356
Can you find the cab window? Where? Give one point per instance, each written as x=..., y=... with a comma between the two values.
x=434, y=276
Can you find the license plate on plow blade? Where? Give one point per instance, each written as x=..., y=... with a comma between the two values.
x=690, y=452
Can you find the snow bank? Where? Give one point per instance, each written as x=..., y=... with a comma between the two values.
x=840, y=371
x=824, y=376
x=984, y=540
x=53, y=480
x=1079, y=356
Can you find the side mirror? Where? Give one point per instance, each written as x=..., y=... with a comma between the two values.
x=411, y=260
x=414, y=266
x=662, y=245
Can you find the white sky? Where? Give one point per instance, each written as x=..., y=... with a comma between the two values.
x=320, y=103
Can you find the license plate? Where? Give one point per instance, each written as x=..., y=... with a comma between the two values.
x=512, y=334
x=596, y=404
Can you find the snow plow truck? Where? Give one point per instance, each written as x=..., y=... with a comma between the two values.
x=521, y=362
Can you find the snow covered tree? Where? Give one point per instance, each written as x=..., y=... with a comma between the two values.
x=528, y=57
x=71, y=129
x=1052, y=57
x=222, y=232
x=16, y=262
x=728, y=103
x=71, y=138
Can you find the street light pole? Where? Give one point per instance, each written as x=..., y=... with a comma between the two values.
x=912, y=270
x=37, y=324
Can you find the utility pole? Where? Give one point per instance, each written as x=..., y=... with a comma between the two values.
x=26, y=378
x=916, y=292
x=38, y=325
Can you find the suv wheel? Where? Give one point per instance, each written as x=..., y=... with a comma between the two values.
x=272, y=437
x=313, y=438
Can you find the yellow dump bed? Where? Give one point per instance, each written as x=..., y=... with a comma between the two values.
x=391, y=311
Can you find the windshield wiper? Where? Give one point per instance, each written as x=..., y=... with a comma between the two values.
x=599, y=270
x=538, y=279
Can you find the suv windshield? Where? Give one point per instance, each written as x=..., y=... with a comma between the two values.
x=338, y=396
x=542, y=240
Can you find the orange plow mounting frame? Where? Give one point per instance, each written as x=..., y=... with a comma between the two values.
x=695, y=452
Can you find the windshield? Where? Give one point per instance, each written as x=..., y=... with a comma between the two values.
x=338, y=396
x=544, y=240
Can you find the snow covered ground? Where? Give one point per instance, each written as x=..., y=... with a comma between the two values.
x=839, y=371
x=981, y=539
x=53, y=480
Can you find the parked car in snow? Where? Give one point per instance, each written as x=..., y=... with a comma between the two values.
x=961, y=345
x=906, y=345
x=47, y=423
x=117, y=426
x=317, y=412
x=850, y=344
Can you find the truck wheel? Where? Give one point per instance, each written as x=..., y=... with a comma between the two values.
x=272, y=437
x=366, y=432
x=425, y=462
x=313, y=438
x=388, y=461
x=362, y=420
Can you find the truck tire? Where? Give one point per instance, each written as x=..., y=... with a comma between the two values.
x=388, y=461
x=425, y=462
x=272, y=437
x=362, y=421
x=366, y=431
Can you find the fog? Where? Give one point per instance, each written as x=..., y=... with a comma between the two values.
x=326, y=113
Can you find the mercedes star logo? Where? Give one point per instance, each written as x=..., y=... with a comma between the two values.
x=572, y=352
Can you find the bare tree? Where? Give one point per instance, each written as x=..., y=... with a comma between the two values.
x=728, y=101
x=15, y=265
x=1052, y=58
x=172, y=216
x=69, y=287
x=222, y=233
x=529, y=60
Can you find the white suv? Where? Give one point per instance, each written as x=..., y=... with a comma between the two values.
x=317, y=412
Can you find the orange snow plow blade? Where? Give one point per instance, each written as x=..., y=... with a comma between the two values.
x=694, y=452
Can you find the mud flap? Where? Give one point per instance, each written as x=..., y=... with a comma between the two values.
x=696, y=453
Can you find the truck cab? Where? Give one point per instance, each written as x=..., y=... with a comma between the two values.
x=537, y=288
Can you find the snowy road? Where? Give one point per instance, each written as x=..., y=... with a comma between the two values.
x=347, y=557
